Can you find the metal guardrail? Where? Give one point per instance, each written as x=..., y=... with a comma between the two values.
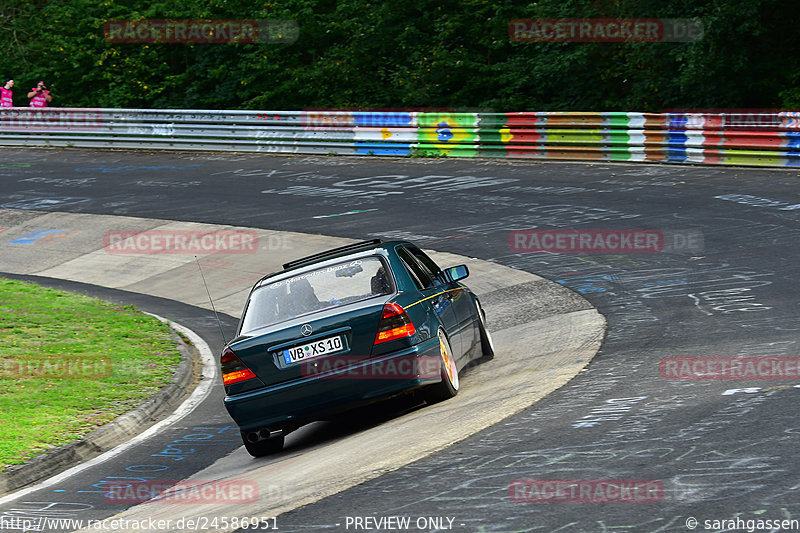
x=769, y=139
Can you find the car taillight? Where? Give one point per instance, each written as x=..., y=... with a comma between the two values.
x=394, y=324
x=232, y=368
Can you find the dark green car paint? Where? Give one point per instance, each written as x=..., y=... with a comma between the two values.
x=287, y=396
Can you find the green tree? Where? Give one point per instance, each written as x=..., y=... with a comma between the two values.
x=406, y=54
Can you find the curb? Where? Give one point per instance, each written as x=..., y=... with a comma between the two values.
x=115, y=432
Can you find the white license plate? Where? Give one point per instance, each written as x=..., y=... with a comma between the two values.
x=312, y=349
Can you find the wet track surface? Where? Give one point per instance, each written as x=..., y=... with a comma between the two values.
x=716, y=449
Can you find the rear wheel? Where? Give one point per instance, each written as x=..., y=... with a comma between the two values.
x=263, y=447
x=487, y=345
x=448, y=387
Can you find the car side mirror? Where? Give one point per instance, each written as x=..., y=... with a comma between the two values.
x=455, y=273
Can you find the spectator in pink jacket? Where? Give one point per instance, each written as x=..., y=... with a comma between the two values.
x=39, y=95
x=6, y=95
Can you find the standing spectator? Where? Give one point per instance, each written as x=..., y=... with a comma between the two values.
x=6, y=96
x=39, y=95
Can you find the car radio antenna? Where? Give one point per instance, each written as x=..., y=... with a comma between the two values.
x=219, y=323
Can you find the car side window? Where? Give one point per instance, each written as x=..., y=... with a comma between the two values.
x=427, y=262
x=422, y=276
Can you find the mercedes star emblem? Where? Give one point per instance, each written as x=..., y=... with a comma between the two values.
x=306, y=330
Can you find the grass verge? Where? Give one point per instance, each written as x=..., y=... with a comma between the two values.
x=70, y=363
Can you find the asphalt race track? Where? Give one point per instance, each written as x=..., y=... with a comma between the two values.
x=724, y=285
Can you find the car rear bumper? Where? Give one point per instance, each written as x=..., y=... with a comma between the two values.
x=332, y=386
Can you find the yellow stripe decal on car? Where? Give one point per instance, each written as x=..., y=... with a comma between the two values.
x=432, y=296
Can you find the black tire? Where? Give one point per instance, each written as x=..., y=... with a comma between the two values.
x=487, y=345
x=448, y=387
x=263, y=447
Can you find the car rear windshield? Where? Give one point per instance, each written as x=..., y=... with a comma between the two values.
x=310, y=291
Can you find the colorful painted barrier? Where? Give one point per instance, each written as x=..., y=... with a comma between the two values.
x=769, y=139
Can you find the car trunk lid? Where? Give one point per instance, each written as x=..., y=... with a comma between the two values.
x=291, y=350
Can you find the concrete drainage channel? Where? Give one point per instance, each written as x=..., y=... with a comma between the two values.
x=544, y=335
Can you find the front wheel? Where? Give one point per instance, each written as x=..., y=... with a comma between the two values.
x=448, y=387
